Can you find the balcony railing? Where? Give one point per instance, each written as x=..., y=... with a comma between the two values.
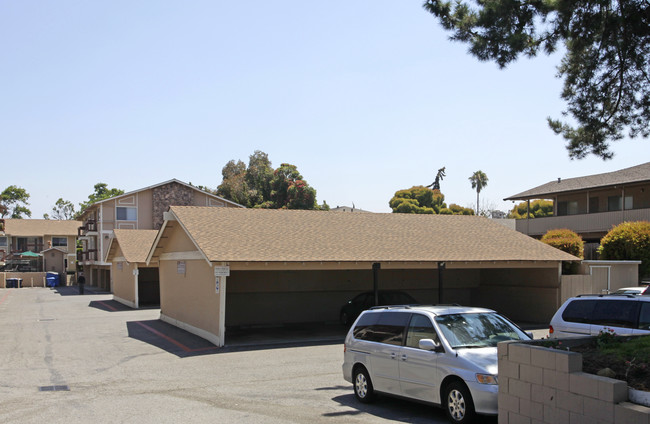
x=87, y=255
x=90, y=225
x=582, y=224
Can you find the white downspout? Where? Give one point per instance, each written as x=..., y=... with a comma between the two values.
x=136, y=273
x=609, y=275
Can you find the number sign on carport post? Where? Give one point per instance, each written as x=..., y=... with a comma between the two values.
x=375, y=280
x=220, y=271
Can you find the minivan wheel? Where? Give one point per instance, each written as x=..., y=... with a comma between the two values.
x=458, y=403
x=363, y=390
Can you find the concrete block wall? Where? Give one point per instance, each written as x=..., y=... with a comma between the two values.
x=547, y=386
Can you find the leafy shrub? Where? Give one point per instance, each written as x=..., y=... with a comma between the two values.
x=565, y=240
x=628, y=241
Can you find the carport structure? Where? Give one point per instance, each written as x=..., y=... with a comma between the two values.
x=245, y=267
x=134, y=281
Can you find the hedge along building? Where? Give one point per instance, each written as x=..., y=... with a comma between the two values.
x=289, y=266
x=135, y=283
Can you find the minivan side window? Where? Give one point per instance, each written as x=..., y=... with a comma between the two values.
x=644, y=316
x=420, y=328
x=384, y=327
x=617, y=313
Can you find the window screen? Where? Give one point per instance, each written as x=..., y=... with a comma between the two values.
x=126, y=214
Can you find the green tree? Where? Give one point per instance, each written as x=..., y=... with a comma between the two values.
x=15, y=201
x=102, y=192
x=479, y=181
x=435, y=185
x=566, y=240
x=418, y=199
x=233, y=185
x=289, y=190
x=628, y=241
x=62, y=210
x=258, y=178
x=605, y=65
x=539, y=208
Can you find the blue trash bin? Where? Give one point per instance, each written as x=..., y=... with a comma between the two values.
x=11, y=283
x=52, y=279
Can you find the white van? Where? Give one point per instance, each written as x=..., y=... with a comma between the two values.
x=588, y=315
x=444, y=355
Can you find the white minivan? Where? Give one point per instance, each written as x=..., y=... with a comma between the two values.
x=588, y=315
x=444, y=355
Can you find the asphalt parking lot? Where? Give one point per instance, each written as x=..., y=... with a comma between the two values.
x=66, y=358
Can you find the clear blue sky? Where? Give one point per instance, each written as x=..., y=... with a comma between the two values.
x=364, y=97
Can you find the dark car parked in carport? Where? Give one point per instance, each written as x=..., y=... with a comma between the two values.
x=351, y=310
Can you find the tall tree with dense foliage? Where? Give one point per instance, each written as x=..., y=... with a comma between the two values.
x=423, y=200
x=258, y=185
x=628, y=241
x=62, y=210
x=605, y=65
x=15, y=201
x=102, y=192
x=479, y=181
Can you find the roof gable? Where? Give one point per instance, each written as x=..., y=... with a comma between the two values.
x=262, y=235
x=134, y=244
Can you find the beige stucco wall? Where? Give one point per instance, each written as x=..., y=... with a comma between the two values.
x=190, y=297
x=30, y=279
x=123, y=279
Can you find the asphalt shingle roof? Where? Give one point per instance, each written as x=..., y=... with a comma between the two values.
x=635, y=174
x=135, y=244
x=263, y=235
x=40, y=227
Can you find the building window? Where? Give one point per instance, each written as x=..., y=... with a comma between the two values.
x=59, y=241
x=629, y=203
x=567, y=208
x=126, y=214
x=593, y=205
x=3, y=241
x=614, y=203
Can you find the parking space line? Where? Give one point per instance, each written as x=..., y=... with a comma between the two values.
x=175, y=342
x=107, y=306
x=4, y=297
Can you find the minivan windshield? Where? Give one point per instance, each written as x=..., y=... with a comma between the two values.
x=474, y=330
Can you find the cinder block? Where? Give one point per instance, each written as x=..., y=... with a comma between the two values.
x=570, y=401
x=529, y=408
x=508, y=402
x=629, y=413
x=531, y=374
x=583, y=384
x=550, y=414
x=568, y=362
x=519, y=353
x=503, y=384
x=610, y=390
x=598, y=410
x=578, y=419
x=514, y=418
x=502, y=349
x=562, y=380
x=503, y=416
x=542, y=357
x=549, y=378
x=543, y=394
x=508, y=369
x=519, y=388
x=562, y=416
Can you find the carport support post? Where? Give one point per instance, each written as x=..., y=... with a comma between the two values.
x=441, y=268
x=375, y=281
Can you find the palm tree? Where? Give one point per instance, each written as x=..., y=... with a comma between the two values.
x=479, y=181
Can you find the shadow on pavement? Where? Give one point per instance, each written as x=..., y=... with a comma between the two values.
x=184, y=344
x=109, y=306
x=74, y=290
x=398, y=410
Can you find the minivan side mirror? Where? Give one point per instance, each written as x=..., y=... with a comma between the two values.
x=429, y=344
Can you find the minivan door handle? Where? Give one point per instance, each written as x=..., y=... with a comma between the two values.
x=404, y=357
x=393, y=355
